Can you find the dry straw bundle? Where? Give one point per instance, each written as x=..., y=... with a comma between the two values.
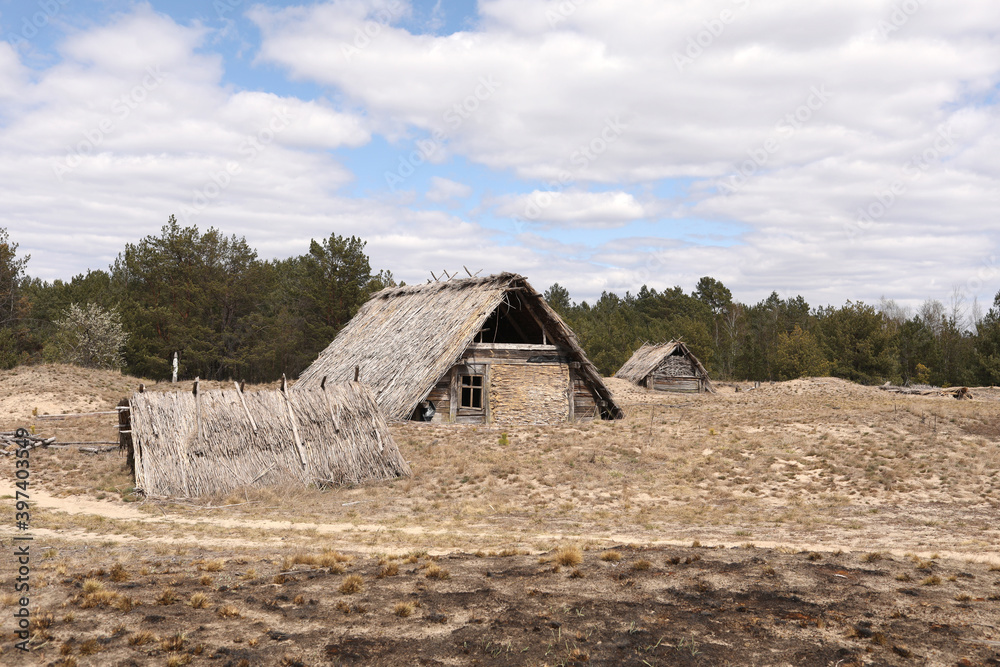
x=193, y=444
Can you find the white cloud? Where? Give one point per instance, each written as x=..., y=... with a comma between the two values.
x=444, y=189
x=573, y=209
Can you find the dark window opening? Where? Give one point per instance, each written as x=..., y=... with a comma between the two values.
x=472, y=392
x=510, y=324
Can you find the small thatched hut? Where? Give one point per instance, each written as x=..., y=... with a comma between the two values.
x=666, y=367
x=191, y=443
x=477, y=350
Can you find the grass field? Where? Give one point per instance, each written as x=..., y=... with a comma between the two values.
x=834, y=524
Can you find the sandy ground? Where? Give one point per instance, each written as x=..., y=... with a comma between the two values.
x=815, y=469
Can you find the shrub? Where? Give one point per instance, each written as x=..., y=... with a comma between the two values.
x=89, y=336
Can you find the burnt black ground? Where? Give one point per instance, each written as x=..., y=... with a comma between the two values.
x=663, y=606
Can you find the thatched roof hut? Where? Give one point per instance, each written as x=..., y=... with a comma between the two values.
x=666, y=367
x=486, y=350
x=192, y=444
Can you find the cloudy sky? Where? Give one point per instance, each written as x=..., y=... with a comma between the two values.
x=838, y=149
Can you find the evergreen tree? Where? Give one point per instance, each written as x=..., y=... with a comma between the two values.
x=861, y=344
x=14, y=307
x=799, y=354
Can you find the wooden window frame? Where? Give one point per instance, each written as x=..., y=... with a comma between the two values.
x=473, y=389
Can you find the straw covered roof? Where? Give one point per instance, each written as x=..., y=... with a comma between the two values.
x=190, y=445
x=405, y=338
x=648, y=357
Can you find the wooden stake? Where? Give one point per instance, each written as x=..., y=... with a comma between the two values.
x=291, y=416
x=239, y=392
x=197, y=405
x=357, y=373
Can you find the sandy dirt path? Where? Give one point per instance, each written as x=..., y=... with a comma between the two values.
x=285, y=531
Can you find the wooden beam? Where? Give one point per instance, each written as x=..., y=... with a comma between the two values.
x=197, y=405
x=239, y=392
x=453, y=390
x=291, y=416
x=538, y=321
x=571, y=390
x=487, y=412
x=514, y=324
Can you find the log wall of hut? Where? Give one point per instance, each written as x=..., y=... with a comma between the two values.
x=440, y=398
x=584, y=406
x=676, y=373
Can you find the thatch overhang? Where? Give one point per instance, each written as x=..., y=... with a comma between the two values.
x=648, y=358
x=404, y=339
x=186, y=444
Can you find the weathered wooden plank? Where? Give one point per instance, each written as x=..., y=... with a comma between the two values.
x=514, y=346
x=678, y=384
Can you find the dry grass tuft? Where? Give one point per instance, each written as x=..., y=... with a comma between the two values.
x=119, y=573
x=352, y=583
x=141, y=638
x=387, y=570
x=216, y=565
x=174, y=643
x=330, y=558
x=403, y=609
x=199, y=601
x=569, y=556
x=611, y=556
x=89, y=647
x=168, y=596
x=92, y=585
x=228, y=611
x=577, y=574
x=641, y=565
x=872, y=557
x=205, y=580
x=932, y=580
x=100, y=598
x=436, y=572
